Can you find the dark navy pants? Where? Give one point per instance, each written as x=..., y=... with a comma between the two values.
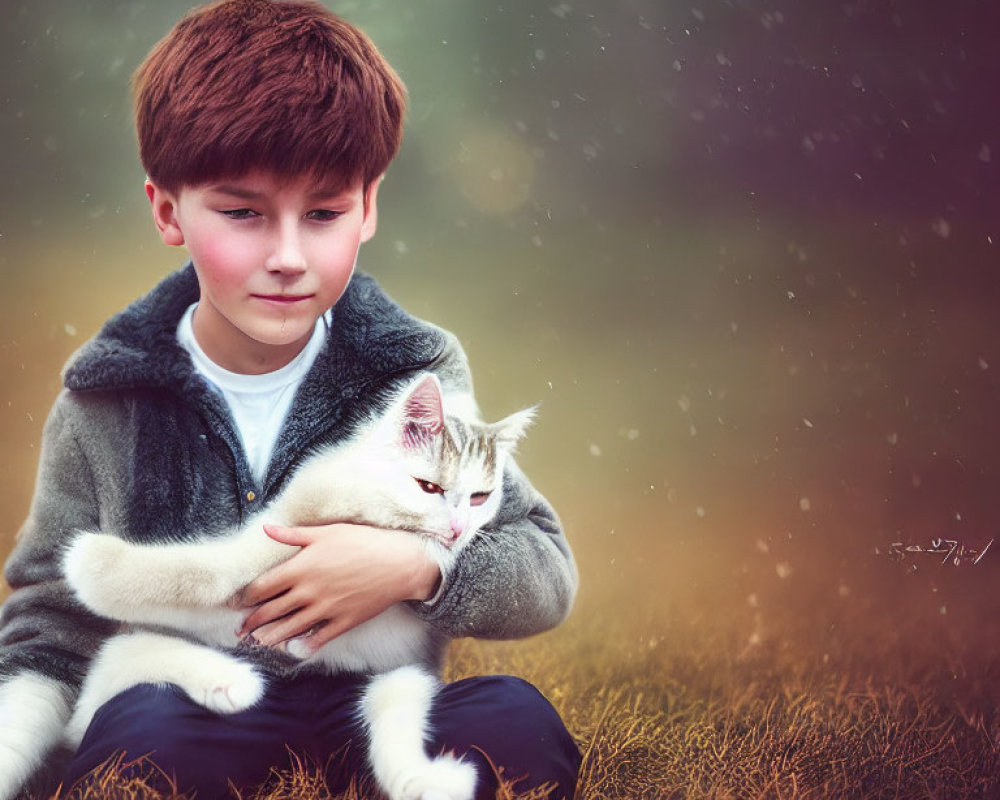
x=315, y=716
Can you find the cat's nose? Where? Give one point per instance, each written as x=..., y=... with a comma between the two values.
x=456, y=528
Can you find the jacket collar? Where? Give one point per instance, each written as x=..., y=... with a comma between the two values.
x=137, y=348
x=371, y=341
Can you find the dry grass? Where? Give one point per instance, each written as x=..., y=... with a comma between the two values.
x=303, y=782
x=714, y=706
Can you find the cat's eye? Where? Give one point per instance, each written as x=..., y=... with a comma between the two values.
x=429, y=486
x=478, y=498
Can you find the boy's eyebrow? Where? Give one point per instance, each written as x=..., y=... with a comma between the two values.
x=331, y=192
x=236, y=191
x=322, y=193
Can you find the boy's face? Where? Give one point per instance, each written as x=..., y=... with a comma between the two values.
x=272, y=254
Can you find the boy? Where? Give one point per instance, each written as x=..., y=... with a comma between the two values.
x=264, y=128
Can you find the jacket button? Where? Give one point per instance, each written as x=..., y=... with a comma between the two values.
x=250, y=496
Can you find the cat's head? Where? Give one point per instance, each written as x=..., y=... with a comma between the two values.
x=450, y=467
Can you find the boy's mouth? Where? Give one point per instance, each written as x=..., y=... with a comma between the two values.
x=286, y=299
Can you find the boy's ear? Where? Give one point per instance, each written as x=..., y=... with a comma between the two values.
x=371, y=210
x=164, y=206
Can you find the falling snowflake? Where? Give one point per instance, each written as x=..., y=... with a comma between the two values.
x=941, y=227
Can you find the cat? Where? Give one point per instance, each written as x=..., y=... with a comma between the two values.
x=413, y=467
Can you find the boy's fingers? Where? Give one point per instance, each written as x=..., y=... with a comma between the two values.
x=268, y=586
x=279, y=578
x=254, y=594
x=270, y=610
x=326, y=632
x=297, y=537
x=264, y=635
x=283, y=629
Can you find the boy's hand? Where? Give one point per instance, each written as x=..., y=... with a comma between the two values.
x=344, y=575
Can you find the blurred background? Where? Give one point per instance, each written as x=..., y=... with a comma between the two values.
x=744, y=255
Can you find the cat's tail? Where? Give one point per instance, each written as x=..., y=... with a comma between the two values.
x=33, y=712
x=396, y=710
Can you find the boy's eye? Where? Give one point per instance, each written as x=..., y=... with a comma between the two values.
x=323, y=215
x=239, y=213
x=478, y=498
x=429, y=487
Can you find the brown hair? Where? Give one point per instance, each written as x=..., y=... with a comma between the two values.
x=265, y=84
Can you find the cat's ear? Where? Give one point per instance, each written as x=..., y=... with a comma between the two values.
x=422, y=415
x=510, y=430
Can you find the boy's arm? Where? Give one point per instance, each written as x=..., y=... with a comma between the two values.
x=42, y=628
x=45, y=638
x=517, y=577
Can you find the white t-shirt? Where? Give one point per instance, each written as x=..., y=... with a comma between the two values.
x=259, y=403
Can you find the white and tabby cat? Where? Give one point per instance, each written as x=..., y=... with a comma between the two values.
x=415, y=468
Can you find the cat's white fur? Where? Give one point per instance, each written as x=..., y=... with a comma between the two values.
x=189, y=587
x=33, y=712
x=400, y=702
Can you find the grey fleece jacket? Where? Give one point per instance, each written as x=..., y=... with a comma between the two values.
x=137, y=444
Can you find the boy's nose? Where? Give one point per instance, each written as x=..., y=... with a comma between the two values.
x=286, y=253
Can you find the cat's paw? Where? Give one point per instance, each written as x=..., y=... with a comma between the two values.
x=235, y=688
x=443, y=778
